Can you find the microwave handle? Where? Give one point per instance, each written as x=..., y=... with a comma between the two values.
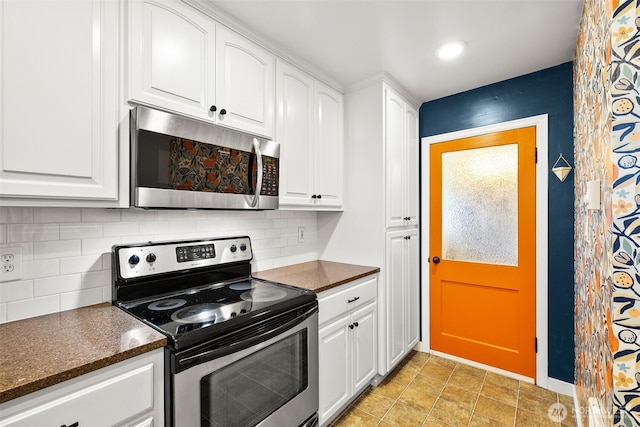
x=256, y=146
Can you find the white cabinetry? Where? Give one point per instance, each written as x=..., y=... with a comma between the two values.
x=128, y=393
x=401, y=153
x=310, y=132
x=347, y=344
x=381, y=189
x=183, y=61
x=402, y=302
x=59, y=89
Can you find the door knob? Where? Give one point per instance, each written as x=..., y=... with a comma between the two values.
x=436, y=260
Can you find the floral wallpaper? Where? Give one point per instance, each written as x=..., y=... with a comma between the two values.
x=607, y=241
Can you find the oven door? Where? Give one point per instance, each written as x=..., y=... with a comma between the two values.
x=273, y=382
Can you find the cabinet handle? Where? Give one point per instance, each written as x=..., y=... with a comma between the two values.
x=314, y=196
x=223, y=112
x=351, y=326
x=355, y=324
x=353, y=300
x=319, y=196
x=213, y=108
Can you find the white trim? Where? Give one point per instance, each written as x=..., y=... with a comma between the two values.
x=561, y=387
x=483, y=366
x=542, y=227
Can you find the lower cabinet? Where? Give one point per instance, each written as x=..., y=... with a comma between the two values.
x=403, y=294
x=129, y=393
x=347, y=344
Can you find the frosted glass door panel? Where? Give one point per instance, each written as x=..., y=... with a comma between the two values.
x=480, y=199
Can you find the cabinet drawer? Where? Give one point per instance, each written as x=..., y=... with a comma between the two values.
x=103, y=404
x=341, y=301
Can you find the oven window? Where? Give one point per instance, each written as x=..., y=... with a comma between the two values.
x=247, y=391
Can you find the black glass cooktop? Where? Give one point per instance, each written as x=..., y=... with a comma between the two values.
x=206, y=312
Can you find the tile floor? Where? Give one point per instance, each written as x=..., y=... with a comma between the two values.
x=426, y=390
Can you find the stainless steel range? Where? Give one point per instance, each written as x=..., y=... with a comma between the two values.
x=241, y=351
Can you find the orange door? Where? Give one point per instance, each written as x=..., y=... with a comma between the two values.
x=482, y=249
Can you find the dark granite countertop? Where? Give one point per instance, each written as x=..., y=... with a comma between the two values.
x=42, y=351
x=318, y=275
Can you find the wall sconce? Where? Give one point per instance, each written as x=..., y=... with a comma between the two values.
x=561, y=168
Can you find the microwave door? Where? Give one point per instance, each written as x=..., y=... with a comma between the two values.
x=258, y=188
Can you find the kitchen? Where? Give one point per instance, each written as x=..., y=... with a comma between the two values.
x=67, y=260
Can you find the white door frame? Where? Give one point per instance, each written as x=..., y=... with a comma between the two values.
x=542, y=226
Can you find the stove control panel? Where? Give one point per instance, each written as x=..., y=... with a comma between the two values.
x=140, y=260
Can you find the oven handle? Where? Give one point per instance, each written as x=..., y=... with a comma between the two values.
x=244, y=344
x=256, y=146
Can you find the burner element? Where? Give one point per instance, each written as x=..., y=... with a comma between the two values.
x=241, y=286
x=167, y=304
x=199, y=313
x=263, y=295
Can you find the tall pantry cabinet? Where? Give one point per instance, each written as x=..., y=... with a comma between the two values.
x=381, y=215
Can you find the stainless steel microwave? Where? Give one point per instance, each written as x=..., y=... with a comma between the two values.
x=182, y=163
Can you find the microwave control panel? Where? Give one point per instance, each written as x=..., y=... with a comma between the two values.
x=270, y=182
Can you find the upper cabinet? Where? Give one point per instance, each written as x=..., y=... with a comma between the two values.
x=310, y=132
x=181, y=60
x=59, y=88
x=401, y=137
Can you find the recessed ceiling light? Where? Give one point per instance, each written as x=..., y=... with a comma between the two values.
x=451, y=50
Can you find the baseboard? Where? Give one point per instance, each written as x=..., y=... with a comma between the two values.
x=561, y=387
x=483, y=366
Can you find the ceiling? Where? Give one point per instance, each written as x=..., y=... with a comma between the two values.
x=351, y=40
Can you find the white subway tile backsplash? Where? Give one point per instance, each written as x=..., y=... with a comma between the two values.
x=81, y=230
x=13, y=291
x=43, y=215
x=81, y=264
x=57, y=284
x=56, y=249
x=154, y=227
x=111, y=229
x=67, y=252
x=137, y=215
x=69, y=300
x=94, y=279
x=16, y=215
x=182, y=227
x=32, y=232
x=32, y=307
x=99, y=246
x=40, y=268
x=100, y=215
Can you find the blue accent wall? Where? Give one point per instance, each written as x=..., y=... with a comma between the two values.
x=549, y=91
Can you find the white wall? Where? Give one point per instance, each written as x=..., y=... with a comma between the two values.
x=67, y=251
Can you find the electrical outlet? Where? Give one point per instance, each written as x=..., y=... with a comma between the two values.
x=10, y=264
x=301, y=234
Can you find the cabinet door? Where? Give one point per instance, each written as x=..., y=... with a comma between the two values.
x=394, y=157
x=171, y=57
x=395, y=297
x=131, y=393
x=245, y=84
x=412, y=158
x=333, y=367
x=295, y=133
x=59, y=86
x=412, y=289
x=328, y=152
x=364, y=345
